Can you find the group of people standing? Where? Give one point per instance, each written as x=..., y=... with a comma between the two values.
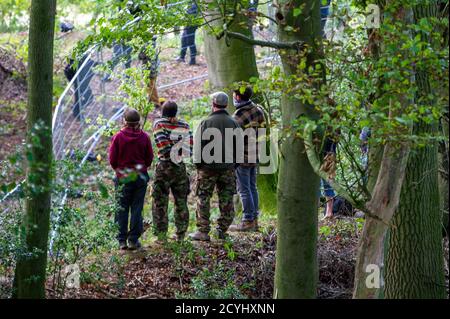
x=131, y=155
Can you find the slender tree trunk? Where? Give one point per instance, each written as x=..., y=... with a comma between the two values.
x=443, y=175
x=296, y=274
x=31, y=267
x=387, y=173
x=414, y=262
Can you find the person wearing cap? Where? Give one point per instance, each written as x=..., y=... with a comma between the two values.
x=215, y=171
x=130, y=155
x=173, y=138
x=250, y=116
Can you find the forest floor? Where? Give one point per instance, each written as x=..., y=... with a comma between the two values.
x=241, y=267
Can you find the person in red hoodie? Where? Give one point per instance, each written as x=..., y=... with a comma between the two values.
x=130, y=155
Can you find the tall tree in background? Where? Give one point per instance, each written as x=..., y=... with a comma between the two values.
x=232, y=60
x=31, y=265
x=296, y=274
x=414, y=260
x=228, y=61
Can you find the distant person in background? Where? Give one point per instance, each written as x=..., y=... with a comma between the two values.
x=329, y=160
x=130, y=155
x=324, y=13
x=66, y=27
x=252, y=12
x=188, y=37
x=364, y=137
x=82, y=90
x=121, y=51
x=151, y=63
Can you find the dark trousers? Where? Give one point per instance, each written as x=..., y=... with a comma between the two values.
x=188, y=42
x=121, y=51
x=131, y=202
x=83, y=97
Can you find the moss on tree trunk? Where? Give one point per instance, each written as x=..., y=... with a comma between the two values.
x=31, y=266
x=414, y=261
x=296, y=274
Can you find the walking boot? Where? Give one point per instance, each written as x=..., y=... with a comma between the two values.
x=244, y=226
x=134, y=245
x=222, y=235
x=179, y=237
x=199, y=236
x=123, y=245
x=255, y=225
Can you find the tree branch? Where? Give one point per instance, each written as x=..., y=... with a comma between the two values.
x=297, y=46
x=315, y=164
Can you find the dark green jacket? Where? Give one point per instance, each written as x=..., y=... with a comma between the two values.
x=218, y=121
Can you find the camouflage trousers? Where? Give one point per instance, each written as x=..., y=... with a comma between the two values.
x=225, y=183
x=170, y=177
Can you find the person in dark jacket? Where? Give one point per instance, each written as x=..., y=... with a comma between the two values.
x=215, y=170
x=81, y=85
x=188, y=37
x=130, y=155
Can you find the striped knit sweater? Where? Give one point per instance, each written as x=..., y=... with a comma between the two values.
x=168, y=133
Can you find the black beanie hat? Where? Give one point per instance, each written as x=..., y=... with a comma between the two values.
x=169, y=109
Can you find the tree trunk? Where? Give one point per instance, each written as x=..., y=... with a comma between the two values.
x=414, y=262
x=296, y=274
x=386, y=176
x=229, y=60
x=31, y=266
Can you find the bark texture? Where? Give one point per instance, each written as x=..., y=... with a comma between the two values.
x=296, y=274
x=31, y=267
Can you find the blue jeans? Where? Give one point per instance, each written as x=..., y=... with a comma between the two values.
x=327, y=189
x=246, y=185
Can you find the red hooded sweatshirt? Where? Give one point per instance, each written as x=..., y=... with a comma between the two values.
x=130, y=149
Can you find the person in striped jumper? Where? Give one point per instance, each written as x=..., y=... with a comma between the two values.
x=173, y=139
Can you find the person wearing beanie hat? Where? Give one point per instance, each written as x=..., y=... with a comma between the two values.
x=130, y=155
x=216, y=174
x=173, y=138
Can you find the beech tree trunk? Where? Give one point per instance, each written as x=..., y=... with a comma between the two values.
x=296, y=274
x=229, y=61
x=414, y=261
x=31, y=266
